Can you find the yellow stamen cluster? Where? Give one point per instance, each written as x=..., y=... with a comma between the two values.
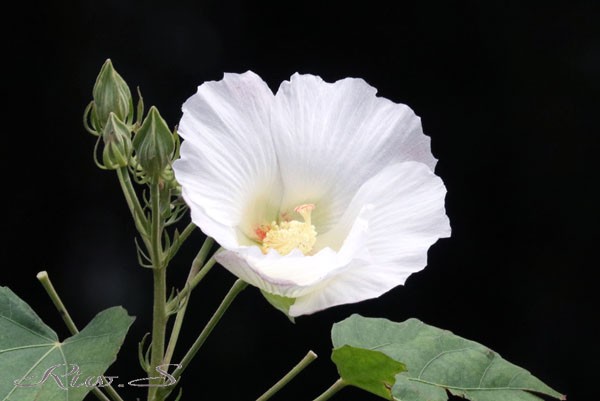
x=288, y=235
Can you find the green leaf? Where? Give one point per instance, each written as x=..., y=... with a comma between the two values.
x=30, y=351
x=280, y=303
x=438, y=360
x=369, y=370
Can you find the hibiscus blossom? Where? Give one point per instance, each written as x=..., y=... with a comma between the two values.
x=323, y=192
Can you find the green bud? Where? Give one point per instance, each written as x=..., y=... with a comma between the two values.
x=111, y=94
x=154, y=144
x=117, y=143
x=168, y=178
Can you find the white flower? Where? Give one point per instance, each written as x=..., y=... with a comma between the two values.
x=322, y=192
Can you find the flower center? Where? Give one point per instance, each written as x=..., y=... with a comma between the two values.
x=288, y=235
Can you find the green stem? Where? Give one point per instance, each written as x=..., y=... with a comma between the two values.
x=331, y=391
x=159, y=325
x=132, y=201
x=196, y=264
x=160, y=317
x=187, y=231
x=175, y=332
x=202, y=273
x=62, y=310
x=173, y=304
x=311, y=356
x=156, y=250
x=47, y=284
x=237, y=287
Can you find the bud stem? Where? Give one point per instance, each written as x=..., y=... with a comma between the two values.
x=133, y=202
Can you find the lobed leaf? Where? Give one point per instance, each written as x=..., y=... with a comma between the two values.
x=30, y=351
x=438, y=361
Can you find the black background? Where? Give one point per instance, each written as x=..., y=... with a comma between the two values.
x=508, y=92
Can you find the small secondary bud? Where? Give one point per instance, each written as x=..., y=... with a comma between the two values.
x=117, y=143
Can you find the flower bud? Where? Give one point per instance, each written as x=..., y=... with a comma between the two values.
x=111, y=94
x=154, y=144
x=167, y=177
x=117, y=143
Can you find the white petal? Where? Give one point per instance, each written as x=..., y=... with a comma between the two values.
x=407, y=216
x=252, y=268
x=331, y=138
x=226, y=235
x=359, y=282
x=228, y=167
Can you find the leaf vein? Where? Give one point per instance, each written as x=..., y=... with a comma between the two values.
x=438, y=356
x=473, y=388
x=26, y=347
x=487, y=369
x=73, y=340
x=35, y=365
x=66, y=369
x=514, y=377
x=28, y=329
